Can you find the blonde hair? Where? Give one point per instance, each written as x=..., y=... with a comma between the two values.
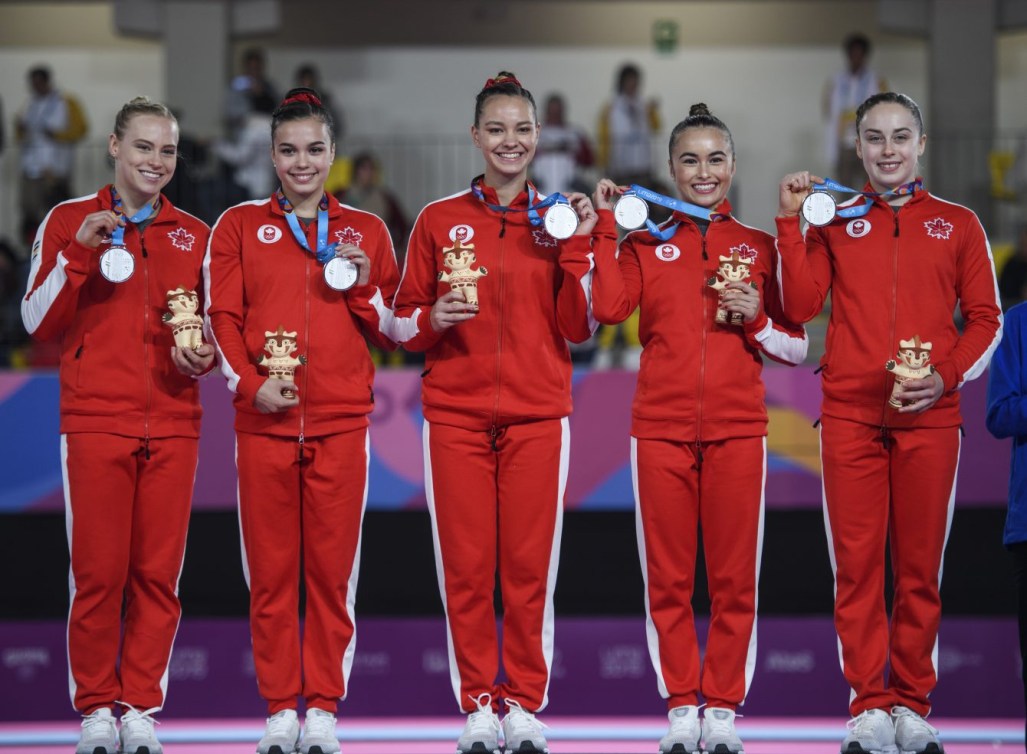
x=140, y=106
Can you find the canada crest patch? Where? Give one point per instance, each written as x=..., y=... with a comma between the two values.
x=349, y=236
x=182, y=239
x=938, y=228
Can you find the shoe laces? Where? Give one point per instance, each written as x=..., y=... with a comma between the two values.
x=912, y=718
x=139, y=717
x=863, y=725
x=483, y=720
x=320, y=723
x=94, y=722
x=280, y=723
x=719, y=726
x=521, y=716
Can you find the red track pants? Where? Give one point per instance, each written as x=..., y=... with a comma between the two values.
x=302, y=502
x=127, y=517
x=499, y=505
x=675, y=494
x=899, y=486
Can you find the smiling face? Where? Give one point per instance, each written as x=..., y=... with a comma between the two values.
x=303, y=154
x=144, y=157
x=507, y=134
x=915, y=358
x=702, y=166
x=889, y=143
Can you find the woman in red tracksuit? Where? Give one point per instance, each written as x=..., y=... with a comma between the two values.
x=497, y=393
x=706, y=289
x=103, y=269
x=895, y=273
x=294, y=352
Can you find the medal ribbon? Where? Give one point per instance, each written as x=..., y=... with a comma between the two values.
x=858, y=210
x=118, y=208
x=677, y=205
x=325, y=252
x=533, y=216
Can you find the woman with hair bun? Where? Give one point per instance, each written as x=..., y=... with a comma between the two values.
x=296, y=282
x=104, y=268
x=706, y=289
x=896, y=261
x=496, y=281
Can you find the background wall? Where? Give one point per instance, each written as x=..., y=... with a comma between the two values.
x=761, y=66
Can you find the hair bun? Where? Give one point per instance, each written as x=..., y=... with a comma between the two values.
x=301, y=95
x=699, y=108
x=503, y=77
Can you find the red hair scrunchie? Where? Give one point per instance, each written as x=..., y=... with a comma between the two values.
x=501, y=80
x=302, y=97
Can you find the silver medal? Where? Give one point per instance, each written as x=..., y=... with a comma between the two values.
x=340, y=274
x=631, y=212
x=561, y=221
x=117, y=264
x=819, y=208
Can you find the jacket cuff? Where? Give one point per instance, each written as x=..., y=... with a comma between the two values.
x=78, y=256
x=788, y=227
x=249, y=385
x=756, y=326
x=949, y=375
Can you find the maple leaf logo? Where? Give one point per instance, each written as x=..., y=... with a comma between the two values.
x=938, y=228
x=745, y=253
x=182, y=239
x=348, y=235
x=542, y=238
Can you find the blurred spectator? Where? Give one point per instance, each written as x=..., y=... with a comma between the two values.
x=367, y=193
x=46, y=127
x=12, y=284
x=1012, y=282
x=249, y=152
x=248, y=87
x=308, y=76
x=626, y=128
x=843, y=93
x=193, y=185
x=562, y=152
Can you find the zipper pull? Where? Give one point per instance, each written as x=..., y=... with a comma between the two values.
x=502, y=225
x=698, y=450
x=493, y=434
x=896, y=226
x=705, y=256
x=299, y=448
x=146, y=448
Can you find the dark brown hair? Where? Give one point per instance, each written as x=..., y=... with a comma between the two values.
x=301, y=103
x=504, y=83
x=699, y=116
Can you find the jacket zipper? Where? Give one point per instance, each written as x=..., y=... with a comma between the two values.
x=894, y=315
x=499, y=337
x=308, y=260
x=146, y=353
x=702, y=356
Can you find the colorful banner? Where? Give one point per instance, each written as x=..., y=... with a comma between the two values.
x=600, y=471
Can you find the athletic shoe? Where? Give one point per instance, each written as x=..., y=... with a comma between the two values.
x=913, y=735
x=282, y=734
x=319, y=733
x=137, y=734
x=683, y=736
x=870, y=732
x=522, y=733
x=718, y=732
x=481, y=731
x=99, y=733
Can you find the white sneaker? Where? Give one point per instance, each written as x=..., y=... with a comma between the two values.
x=319, y=733
x=137, y=734
x=683, y=736
x=481, y=731
x=718, y=732
x=99, y=733
x=522, y=732
x=913, y=735
x=282, y=734
x=870, y=732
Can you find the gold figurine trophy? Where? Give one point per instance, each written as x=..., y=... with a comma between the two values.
x=912, y=363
